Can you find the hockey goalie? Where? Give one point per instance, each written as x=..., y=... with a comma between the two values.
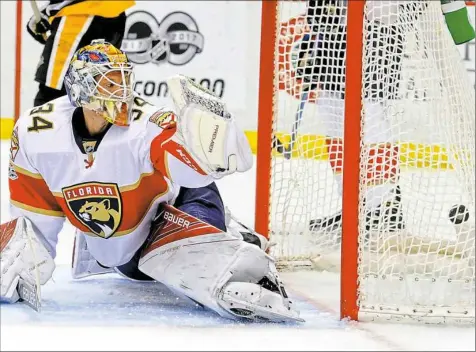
x=137, y=183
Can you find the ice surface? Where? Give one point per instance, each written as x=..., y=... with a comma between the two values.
x=109, y=312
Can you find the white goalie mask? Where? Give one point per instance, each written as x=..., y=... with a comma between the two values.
x=100, y=78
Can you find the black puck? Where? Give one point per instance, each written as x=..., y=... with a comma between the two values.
x=458, y=214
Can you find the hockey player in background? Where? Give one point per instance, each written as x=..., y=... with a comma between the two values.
x=66, y=26
x=322, y=67
x=124, y=173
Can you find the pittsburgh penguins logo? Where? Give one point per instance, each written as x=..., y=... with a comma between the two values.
x=96, y=205
x=175, y=40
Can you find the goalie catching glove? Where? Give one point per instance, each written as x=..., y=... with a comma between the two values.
x=208, y=130
x=23, y=257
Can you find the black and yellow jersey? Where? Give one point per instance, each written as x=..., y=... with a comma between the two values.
x=59, y=8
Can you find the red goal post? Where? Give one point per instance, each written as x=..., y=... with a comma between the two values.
x=270, y=171
x=352, y=135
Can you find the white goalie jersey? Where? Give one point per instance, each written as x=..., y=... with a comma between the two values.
x=108, y=189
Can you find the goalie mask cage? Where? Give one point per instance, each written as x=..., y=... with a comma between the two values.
x=407, y=118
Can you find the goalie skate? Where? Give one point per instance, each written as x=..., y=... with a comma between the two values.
x=255, y=302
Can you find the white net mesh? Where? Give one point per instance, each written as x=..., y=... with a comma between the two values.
x=416, y=155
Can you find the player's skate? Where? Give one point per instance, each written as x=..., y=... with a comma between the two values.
x=386, y=217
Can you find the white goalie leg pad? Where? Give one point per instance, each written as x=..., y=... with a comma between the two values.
x=216, y=269
x=244, y=295
x=84, y=264
x=208, y=130
x=23, y=256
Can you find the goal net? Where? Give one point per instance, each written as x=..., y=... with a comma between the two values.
x=387, y=82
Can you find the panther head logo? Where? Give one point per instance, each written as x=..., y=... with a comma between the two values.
x=102, y=215
x=97, y=206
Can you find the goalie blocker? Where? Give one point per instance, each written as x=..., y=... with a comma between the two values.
x=218, y=270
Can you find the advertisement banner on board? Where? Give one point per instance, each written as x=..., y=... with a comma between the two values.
x=192, y=38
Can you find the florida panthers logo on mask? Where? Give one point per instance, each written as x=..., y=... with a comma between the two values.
x=96, y=205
